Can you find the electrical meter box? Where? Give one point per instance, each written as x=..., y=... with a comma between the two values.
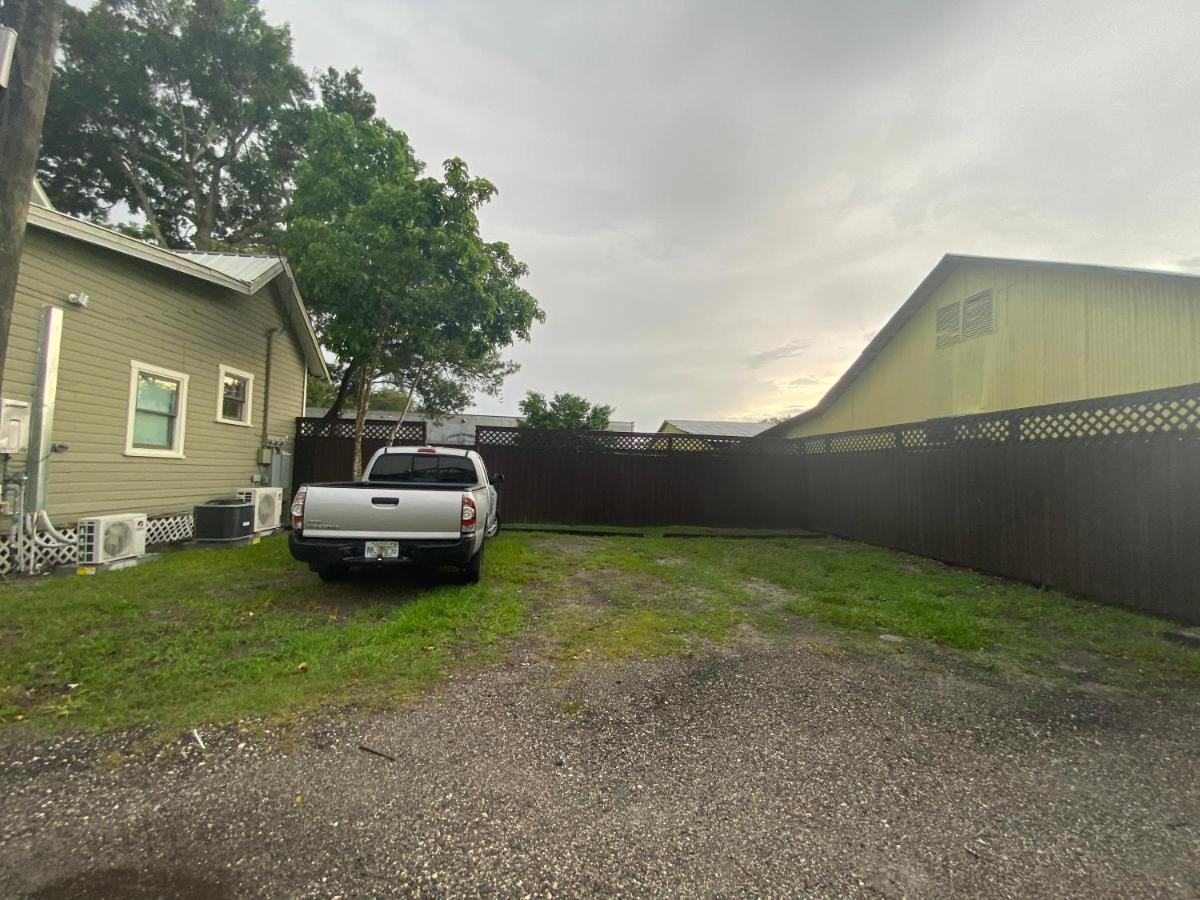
x=14, y=426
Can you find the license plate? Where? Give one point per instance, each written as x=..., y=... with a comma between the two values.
x=382, y=550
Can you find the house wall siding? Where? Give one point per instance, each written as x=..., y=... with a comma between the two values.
x=1060, y=334
x=137, y=311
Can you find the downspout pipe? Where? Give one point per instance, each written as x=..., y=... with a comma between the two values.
x=41, y=424
x=266, y=417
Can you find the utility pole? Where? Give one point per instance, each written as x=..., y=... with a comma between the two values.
x=22, y=110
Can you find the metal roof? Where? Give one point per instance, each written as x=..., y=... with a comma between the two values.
x=930, y=283
x=717, y=428
x=251, y=269
x=244, y=273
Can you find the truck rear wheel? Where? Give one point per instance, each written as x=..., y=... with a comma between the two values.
x=473, y=570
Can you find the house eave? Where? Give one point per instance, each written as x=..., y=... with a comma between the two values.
x=105, y=238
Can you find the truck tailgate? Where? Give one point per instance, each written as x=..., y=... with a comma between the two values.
x=379, y=512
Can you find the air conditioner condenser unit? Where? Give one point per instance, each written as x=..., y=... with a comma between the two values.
x=268, y=506
x=106, y=539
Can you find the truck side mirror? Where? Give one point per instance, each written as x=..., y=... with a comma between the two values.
x=497, y=478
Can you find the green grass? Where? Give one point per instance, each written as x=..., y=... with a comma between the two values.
x=215, y=635
x=990, y=621
x=203, y=636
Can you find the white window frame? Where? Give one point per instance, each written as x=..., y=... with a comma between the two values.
x=176, y=452
x=222, y=371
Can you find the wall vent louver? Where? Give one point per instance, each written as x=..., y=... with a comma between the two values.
x=978, y=315
x=949, y=329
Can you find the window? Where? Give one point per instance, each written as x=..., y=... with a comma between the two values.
x=235, y=396
x=157, y=406
x=411, y=468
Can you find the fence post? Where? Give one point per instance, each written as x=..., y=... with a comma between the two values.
x=670, y=444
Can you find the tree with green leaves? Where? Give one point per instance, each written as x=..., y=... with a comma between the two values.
x=565, y=412
x=191, y=113
x=402, y=287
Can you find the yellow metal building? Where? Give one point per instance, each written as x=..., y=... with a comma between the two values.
x=982, y=334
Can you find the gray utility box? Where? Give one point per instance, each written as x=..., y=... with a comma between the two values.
x=223, y=521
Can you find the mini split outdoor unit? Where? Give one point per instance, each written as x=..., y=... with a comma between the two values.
x=268, y=504
x=105, y=539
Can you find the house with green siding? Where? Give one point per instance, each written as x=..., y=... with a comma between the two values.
x=179, y=376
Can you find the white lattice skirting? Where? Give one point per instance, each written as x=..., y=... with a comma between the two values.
x=47, y=554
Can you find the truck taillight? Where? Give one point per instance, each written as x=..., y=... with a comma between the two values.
x=298, y=509
x=468, y=514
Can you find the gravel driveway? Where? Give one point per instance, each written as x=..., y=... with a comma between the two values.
x=764, y=771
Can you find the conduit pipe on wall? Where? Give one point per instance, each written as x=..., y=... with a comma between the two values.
x=42, y=518
x=45, y=389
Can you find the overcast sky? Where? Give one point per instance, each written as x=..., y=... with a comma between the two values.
x=720, y=203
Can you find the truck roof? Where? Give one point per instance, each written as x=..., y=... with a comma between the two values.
x=441, y=451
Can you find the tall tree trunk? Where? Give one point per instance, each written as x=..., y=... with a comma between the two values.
x=412, y=389
x=335, y=411
x=22, y=110
x=366, y=380
x=360, y=416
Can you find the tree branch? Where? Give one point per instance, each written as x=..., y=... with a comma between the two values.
x=407, y=404
x=258, y=227
x=143, y=201
x=235, y=145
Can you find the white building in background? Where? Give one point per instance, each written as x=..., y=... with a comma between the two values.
x=457, y=429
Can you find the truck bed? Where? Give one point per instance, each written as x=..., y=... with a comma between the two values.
x=384, y=511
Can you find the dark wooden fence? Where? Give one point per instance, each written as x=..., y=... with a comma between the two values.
x=1101, y=496
x=629, y=478
x=324, y=451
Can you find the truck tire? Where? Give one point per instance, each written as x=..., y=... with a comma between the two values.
x=473, y=570
x=333, y=572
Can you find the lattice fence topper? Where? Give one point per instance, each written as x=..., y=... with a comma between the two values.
x=1170, y=412
x=626, y=442
x=42, y=554
x=373, y=430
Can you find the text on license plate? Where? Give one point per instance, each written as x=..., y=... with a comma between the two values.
x=381, y=550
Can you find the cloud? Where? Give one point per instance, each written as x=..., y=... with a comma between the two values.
x=692, y=182
x=806, y=381
x=787, y=351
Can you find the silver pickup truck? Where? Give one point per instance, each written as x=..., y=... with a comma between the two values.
x=418, y=505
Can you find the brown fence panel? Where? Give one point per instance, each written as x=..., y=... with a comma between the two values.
x=643, y=479
x=324, y=451
x=1118, y=521
x=1101, y=497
